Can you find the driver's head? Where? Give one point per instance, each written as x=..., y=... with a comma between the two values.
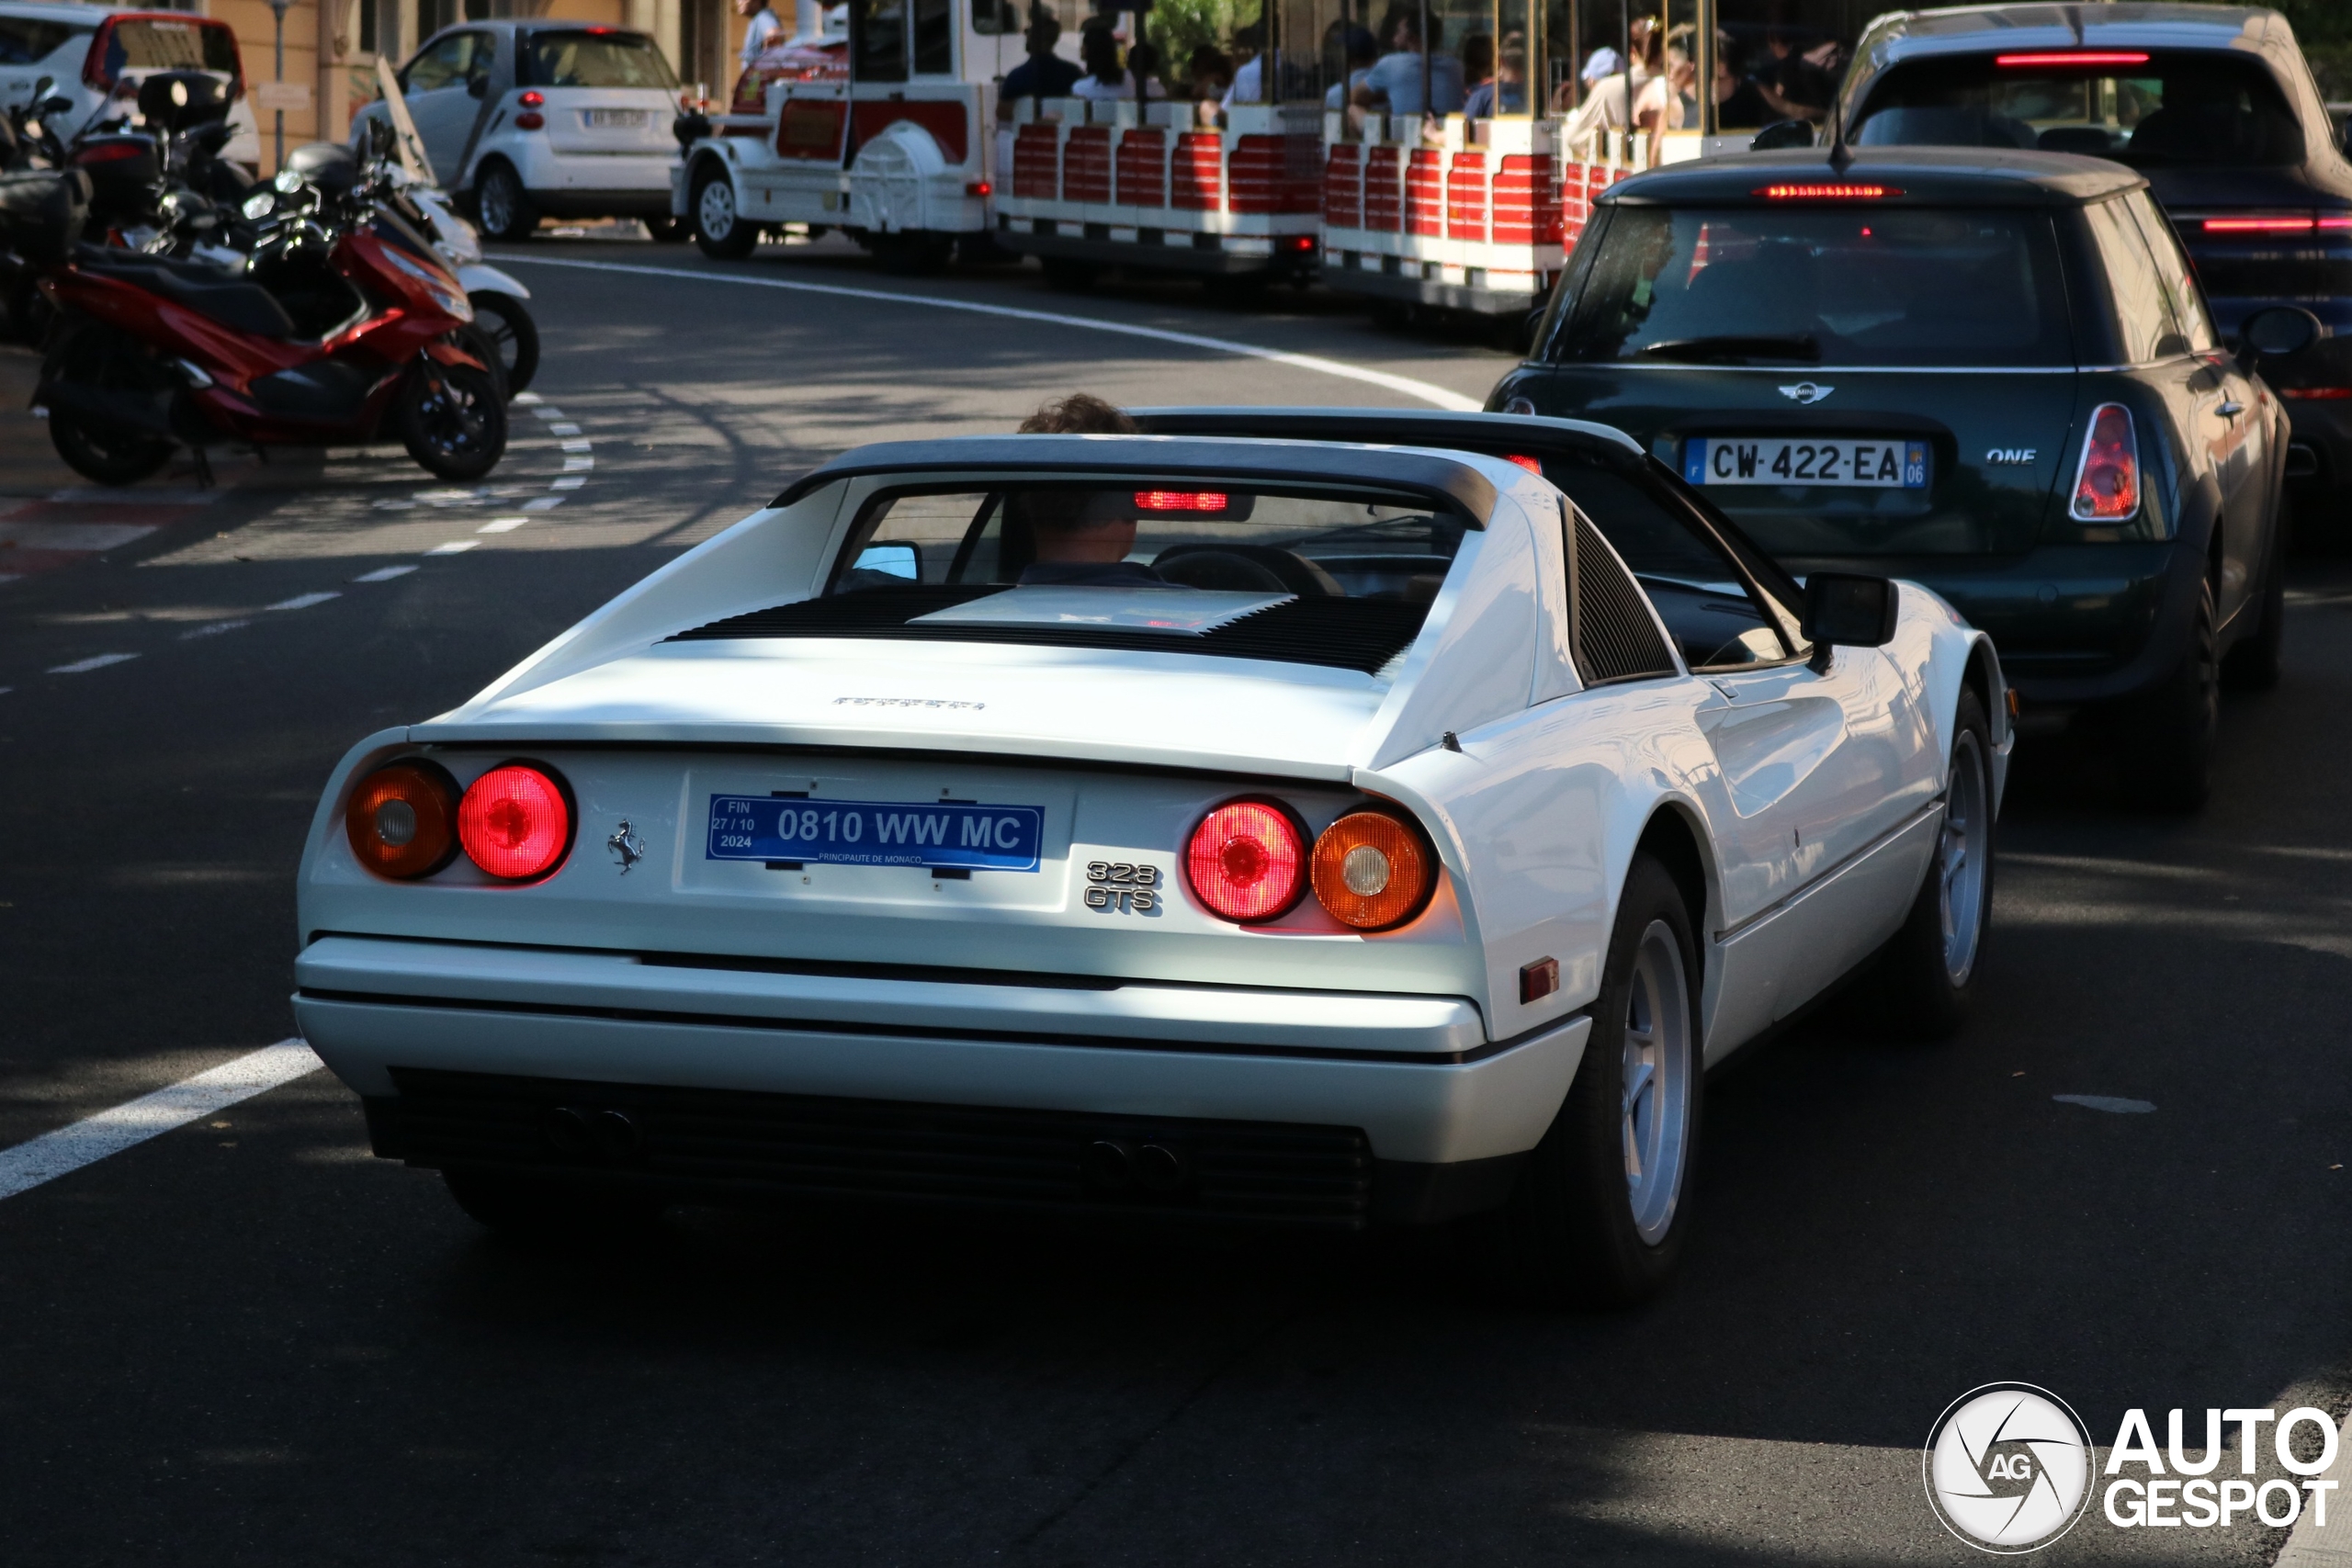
x=1077, y=525
x=1043, y=34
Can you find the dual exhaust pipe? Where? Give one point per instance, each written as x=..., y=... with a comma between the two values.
x=1116, y=1164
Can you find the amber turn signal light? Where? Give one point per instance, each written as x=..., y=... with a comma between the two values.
x=1372, y=871
x=403, y=819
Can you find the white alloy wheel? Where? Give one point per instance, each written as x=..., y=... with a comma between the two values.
x=1656, y=1084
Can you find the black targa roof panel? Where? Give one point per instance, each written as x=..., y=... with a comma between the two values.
x=1266, y=463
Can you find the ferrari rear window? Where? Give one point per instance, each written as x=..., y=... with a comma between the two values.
x=1185, y=565
x=594, y=57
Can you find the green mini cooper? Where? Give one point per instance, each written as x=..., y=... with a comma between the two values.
x=1991, y=372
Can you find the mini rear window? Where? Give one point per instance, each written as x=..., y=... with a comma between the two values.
x=1798, y=285
x=1183, y=565
x=596, y=59
x=155, y=43
x=2165, y=110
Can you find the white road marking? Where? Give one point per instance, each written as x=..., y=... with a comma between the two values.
x=563, y=427
x=543, y=503
x=569, y=481
x=69, y=1149
x=96, y=662
x=525, y=397
x=304, y=600
x=454, y=547
x=502, y=526
x=2107, y=1102
x=213, y=628
x=550, y=413
x=383, y=574
x=576, y=465
x=582, y=444
x=1427, y=391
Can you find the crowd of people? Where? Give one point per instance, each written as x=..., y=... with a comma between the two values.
x=1393, y=70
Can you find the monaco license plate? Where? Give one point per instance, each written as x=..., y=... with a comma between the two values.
x=1863, y=463
x=934, y=833
x=616, y=119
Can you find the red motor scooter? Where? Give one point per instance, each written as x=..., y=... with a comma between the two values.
x=345, y=324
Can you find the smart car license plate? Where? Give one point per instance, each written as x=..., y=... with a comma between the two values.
x=874, y=833
x=1859, y=463
x=616, y=119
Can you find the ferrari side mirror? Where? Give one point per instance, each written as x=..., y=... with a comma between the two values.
x=1846, y=610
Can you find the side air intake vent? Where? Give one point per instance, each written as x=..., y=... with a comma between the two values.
x=1610, y=623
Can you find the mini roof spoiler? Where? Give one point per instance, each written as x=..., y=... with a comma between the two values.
x=1311, y=460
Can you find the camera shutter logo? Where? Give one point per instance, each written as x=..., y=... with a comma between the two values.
x=2008, y=1468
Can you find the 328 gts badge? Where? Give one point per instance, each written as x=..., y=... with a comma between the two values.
x=1115, y=886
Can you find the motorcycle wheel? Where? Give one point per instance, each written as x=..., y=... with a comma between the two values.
x=507, y=323
x=451, y=419
x=97, y=450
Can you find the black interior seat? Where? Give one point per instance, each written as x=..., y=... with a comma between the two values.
x=231, y=302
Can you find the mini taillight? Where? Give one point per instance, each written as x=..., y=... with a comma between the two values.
x=1824, y=192
x=1180, y=501
x=1532, y=465
x=515, y=822
x=403, y=819
x=1372, y=871
x=2072, y=57
x=532, y=100
x=2106, y=482
x=1247, y=860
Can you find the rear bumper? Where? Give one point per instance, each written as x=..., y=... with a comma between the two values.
x=2074, y=623
x=1414, y=1078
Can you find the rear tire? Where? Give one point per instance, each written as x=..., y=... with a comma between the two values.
x=507, y=323
x=2254, y=664
x=719, y=229
x=1927, y=970
x=452, y=418
x=112, y=454
x=1603, y=1205
x=2171, y=731
x=505, y=206
x=529, y=1209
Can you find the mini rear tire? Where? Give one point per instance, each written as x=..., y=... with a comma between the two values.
x=2168, y=751
x=1603, y=1203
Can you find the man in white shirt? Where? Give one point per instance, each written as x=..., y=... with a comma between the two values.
x=759, y=31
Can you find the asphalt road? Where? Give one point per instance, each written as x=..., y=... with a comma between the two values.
x=248, y=1342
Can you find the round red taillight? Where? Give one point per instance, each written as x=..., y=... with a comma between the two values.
x=515, y=822
x=1372, y=871
x=1247, y=860
x=403, y=819
x=532, y=100
x=530, y=119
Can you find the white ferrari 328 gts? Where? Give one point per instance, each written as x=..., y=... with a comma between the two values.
x=1373, y=817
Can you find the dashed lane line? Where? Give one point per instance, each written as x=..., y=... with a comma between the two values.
x=96, y=662
x=1427, y=391
x=69, y=1149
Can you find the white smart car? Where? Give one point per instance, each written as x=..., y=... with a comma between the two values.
x=1295, y=829
x=545, y=118
x=95, y=57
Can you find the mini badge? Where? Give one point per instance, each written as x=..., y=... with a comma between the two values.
x=627, y=847
x=1117, y=887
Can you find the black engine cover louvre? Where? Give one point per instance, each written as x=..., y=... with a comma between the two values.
x=723, y=1145
x=1340, y=634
